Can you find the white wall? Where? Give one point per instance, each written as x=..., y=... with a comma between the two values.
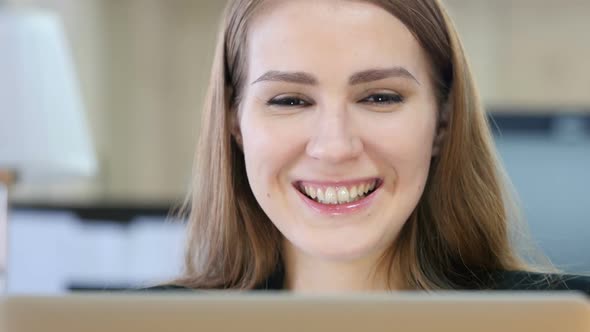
x=528, y=53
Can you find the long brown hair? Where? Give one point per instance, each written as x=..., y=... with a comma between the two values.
x=461, y=223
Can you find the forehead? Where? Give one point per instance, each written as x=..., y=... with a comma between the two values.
x=331, y=37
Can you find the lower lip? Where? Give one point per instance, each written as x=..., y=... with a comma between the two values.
x=339, y=209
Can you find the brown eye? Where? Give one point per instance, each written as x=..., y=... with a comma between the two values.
x=289, y=101
x=383, y=99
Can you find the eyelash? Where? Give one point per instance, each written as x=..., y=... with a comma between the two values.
x=289, y=101
x=393, y=98
x=294, y=101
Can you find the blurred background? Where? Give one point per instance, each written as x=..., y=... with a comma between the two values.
x=134, y=77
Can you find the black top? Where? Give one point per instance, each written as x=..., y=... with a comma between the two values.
x=502, y=280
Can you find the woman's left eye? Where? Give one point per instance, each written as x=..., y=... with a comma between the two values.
x=288, y=101
x=383, y=99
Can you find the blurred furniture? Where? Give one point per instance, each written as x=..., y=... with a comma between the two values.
x=5, y=181
x=143, y=247
x=43, y=131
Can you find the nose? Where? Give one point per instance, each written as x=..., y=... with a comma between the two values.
x=335, y=138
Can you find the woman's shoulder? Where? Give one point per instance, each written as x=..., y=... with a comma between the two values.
x=499, y=280
x=525, y=280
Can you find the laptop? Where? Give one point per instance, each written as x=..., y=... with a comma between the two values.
x=203, y=311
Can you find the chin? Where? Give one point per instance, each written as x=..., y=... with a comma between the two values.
x=335, y=249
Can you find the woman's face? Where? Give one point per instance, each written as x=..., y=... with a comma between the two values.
x=337, y=123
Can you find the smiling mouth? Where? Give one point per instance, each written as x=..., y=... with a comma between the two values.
x=339, y=194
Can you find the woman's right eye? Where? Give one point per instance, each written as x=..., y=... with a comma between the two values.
x=288, y=101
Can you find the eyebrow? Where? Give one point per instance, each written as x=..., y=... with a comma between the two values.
x=364, y=76
x=290, y=77
x=371, y=75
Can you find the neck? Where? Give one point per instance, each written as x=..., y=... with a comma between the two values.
x=304, y=273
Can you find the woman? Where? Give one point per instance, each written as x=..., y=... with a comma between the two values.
x=344, y=148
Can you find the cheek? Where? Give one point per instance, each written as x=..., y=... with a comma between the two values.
x=270, y=147
x=405, y=143
x=258, y=152
x=411, y=131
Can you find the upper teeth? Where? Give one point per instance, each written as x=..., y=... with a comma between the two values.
x=339, y=195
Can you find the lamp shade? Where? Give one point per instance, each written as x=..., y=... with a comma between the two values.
x=43, y=131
